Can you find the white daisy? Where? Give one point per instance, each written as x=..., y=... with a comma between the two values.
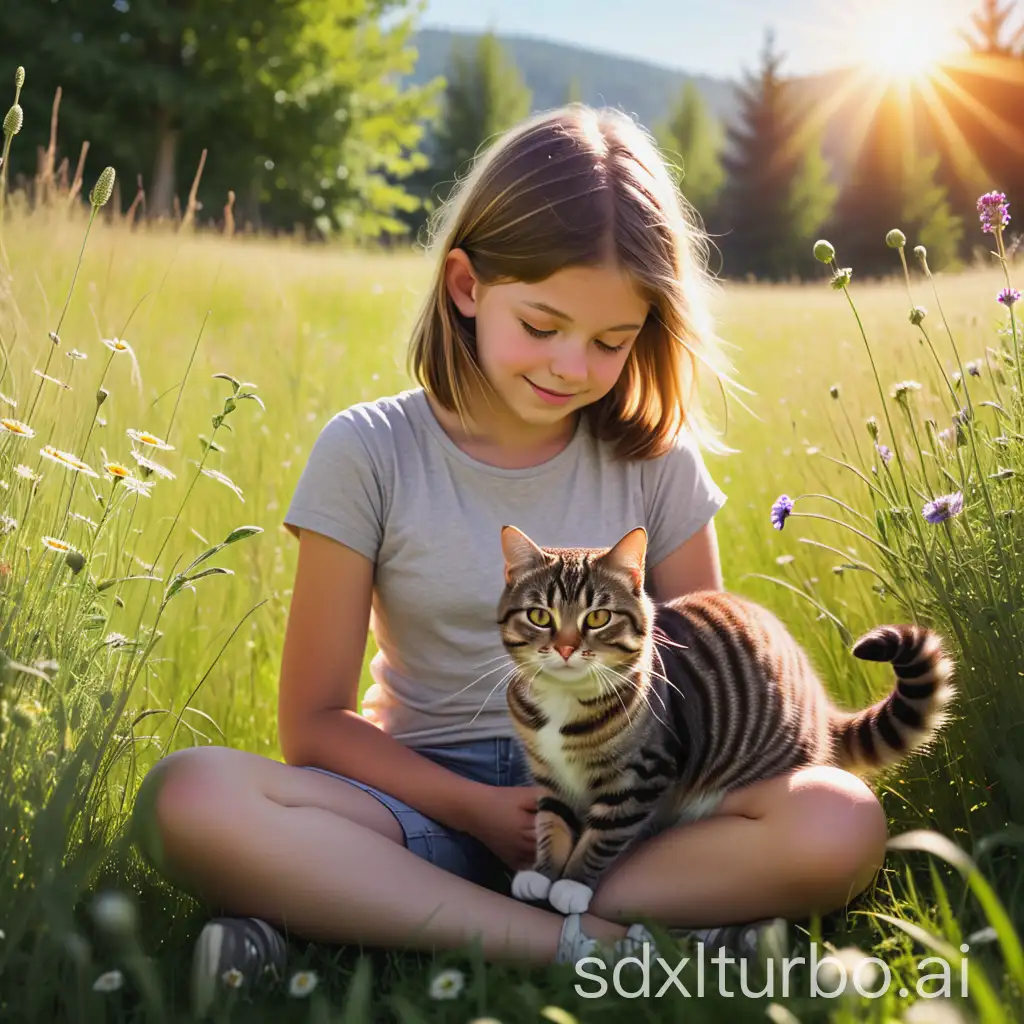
x=17, y=427
x=448, y=984
x=302, y=983
x=139, y=487
x=144, y=437
x=153, y=467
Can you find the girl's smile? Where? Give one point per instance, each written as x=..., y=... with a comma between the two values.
x=551, y=397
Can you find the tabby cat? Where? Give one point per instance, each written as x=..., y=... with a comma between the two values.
x=635, y=714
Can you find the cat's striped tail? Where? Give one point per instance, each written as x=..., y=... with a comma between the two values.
x=911, y=716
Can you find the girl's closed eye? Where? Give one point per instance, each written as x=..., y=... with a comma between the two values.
x=536, y=332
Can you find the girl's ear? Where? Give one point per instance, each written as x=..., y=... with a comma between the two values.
x=461, y=282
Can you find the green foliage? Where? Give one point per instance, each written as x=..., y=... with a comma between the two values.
x=911, y=197
x=927, y=208
x=691, y=140
x=777, y=194
x=298, y=103
x=484, y=95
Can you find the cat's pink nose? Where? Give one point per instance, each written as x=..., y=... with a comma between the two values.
x=565, y=650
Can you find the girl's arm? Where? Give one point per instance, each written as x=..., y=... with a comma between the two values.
x=694, y=565
x=318, y=723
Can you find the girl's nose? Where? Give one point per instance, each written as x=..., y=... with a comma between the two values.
x=570, y=364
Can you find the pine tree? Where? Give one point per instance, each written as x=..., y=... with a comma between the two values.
x=890, y=186
x=776, y=195
x=928, y=212
x=812, y=199
x=574, y=91
x=691, y=139
x=989, y=23
x=485, y=94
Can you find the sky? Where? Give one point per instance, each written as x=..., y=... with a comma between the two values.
x=724, y=37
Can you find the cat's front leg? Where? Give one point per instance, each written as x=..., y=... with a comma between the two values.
x=601, y=842
x=557, y=827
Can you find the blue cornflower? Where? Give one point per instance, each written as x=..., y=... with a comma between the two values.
x=943, y=508
x=781, y=510
x=885, y=452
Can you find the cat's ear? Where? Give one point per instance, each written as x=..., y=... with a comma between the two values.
x=521, y=554
x=628, y=556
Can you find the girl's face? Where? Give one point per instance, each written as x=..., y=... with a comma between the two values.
x=551, y=347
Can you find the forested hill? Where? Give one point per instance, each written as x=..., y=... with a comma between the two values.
x=645, y=90
x=548, y=69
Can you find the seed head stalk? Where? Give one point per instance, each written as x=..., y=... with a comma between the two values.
x=12, y=125
x=998, y=227
x=98, y=197
x=969, y=426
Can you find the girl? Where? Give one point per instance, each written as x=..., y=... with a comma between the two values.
x=556, y=354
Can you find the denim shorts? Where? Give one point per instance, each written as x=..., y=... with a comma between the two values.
x=496, y=761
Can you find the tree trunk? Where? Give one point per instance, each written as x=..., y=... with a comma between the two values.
x=162, y=193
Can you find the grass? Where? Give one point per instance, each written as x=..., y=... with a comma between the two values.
x=100, y=680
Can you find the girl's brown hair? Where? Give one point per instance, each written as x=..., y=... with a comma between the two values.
x=581, y=187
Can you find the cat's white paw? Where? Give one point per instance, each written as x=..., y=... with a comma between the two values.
x=570, y=897
x=530, y=885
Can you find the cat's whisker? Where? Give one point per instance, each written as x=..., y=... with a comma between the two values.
x=504, y=679
x=615, y=690
x=645, y=696
x=497, y=657
x=661, y=637
x=452, y=696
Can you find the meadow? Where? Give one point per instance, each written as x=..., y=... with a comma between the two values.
x=152, y=617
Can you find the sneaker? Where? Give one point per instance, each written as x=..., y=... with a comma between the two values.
x=234, y=951
x=574, y=945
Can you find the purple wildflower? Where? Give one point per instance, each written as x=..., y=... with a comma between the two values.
x=944, y=507
x=885, y=452
x=781, y=510
x=994, y=211
x=1008, y=296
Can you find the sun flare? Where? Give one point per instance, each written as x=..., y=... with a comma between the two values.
x=899, y=40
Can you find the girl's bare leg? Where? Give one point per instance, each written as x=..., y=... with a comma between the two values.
x=786, y=847
x=322, y=859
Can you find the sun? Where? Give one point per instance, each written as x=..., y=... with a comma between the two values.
x=899, y=40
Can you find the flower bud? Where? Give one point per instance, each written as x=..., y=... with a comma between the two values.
x=841, y=278
x=19, y=77
x=75, y=561
x=824, y=251
x=834, y=391
x=872, y=425
x=14, y=120
x=895, y=239
x=917, y=314
x=103, y=188
x=101, y=396
x=921, y=252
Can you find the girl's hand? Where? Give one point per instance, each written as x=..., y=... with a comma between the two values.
x=503, y=819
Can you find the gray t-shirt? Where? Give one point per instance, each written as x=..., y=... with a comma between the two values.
x=385, y=479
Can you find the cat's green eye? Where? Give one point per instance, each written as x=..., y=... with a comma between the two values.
x=539, y=617
x=598, y=618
